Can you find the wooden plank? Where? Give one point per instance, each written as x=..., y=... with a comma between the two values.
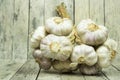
x=111, y=73
x=72, y=76
x=116, y=63
x=95, y=77
x=27, y=72
x=49, y=75
x=50, y=6
x=97, y=12
x=36, y=15
x=6, y=23
x=8, y=68
x=112, y=17
x=81, y=10
x=20, y=29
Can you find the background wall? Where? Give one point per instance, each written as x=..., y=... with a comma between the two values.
x=18, y=18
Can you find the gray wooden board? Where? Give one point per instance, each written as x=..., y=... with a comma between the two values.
x=111, y=73
x=81, y=10
x=8, y=68
x=49, y=75
x=6, y=23
x=20, y=29
x=97, y=12
x=36, y=18
x=28, y=71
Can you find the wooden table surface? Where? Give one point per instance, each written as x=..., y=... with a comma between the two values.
x=29, y=70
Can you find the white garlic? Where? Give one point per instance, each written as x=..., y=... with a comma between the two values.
x=105, y=56
x=112, y=44
x=64, y=66
x=89, y=70
x=90, y=33
x=56, y=47
x=37, y=54
x=59, y=26
x=84, y=54
x=37, y=36
x=44, y=63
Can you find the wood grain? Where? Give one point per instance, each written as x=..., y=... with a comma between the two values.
x=8, y=68
x=112, y=18
x=111, y=73
x=27, y=72
x=81, y=10
x=6, y=23
x=49, y=75
x=20, y=29
x=97, y=12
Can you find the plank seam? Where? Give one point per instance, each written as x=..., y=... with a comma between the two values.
x=28, y=29
x=104, y=12
x=18, y=70
x=105, y=75
x=38, y=73
x=74, y=12
x=115, y=67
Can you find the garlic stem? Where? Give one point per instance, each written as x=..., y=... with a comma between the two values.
x=58, y=20
x=93, y=27
x=54, y=47
x=62, y=12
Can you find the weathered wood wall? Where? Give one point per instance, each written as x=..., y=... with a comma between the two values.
x=18, y=18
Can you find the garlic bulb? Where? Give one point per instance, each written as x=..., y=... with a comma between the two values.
x=112, y=44
x=59, y=26
x=37, y=54
x=37, y=36
x=84, y=54
x=56, y=47
x=43, y=62
x=105, y=56
x=90, y=33
x=64, y=66
x=89, y=70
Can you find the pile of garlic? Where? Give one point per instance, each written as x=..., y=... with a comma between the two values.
x=66, y=48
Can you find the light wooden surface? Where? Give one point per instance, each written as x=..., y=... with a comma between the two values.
x=18, y=18
x=11, y=70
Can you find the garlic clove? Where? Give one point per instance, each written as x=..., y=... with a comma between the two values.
x=112, y=44
x=34, y=43
x=84, y=54
x=89, y=70
x=59, y=26
x=90, y=33
x=38, y=34
x=56, y=47
x=37, y=54
x=104, y=56
x=64, y=66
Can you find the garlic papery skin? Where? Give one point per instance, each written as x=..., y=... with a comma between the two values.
x=112, y=44
x=89, y=70
x=59, y=26
x=56, y=47
x=71, y=36
x=90, y=33
x=37, y=54
x=105, y=56
x=38, y=34
x=64, y=66
x=44, y=63
x=84, y=54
